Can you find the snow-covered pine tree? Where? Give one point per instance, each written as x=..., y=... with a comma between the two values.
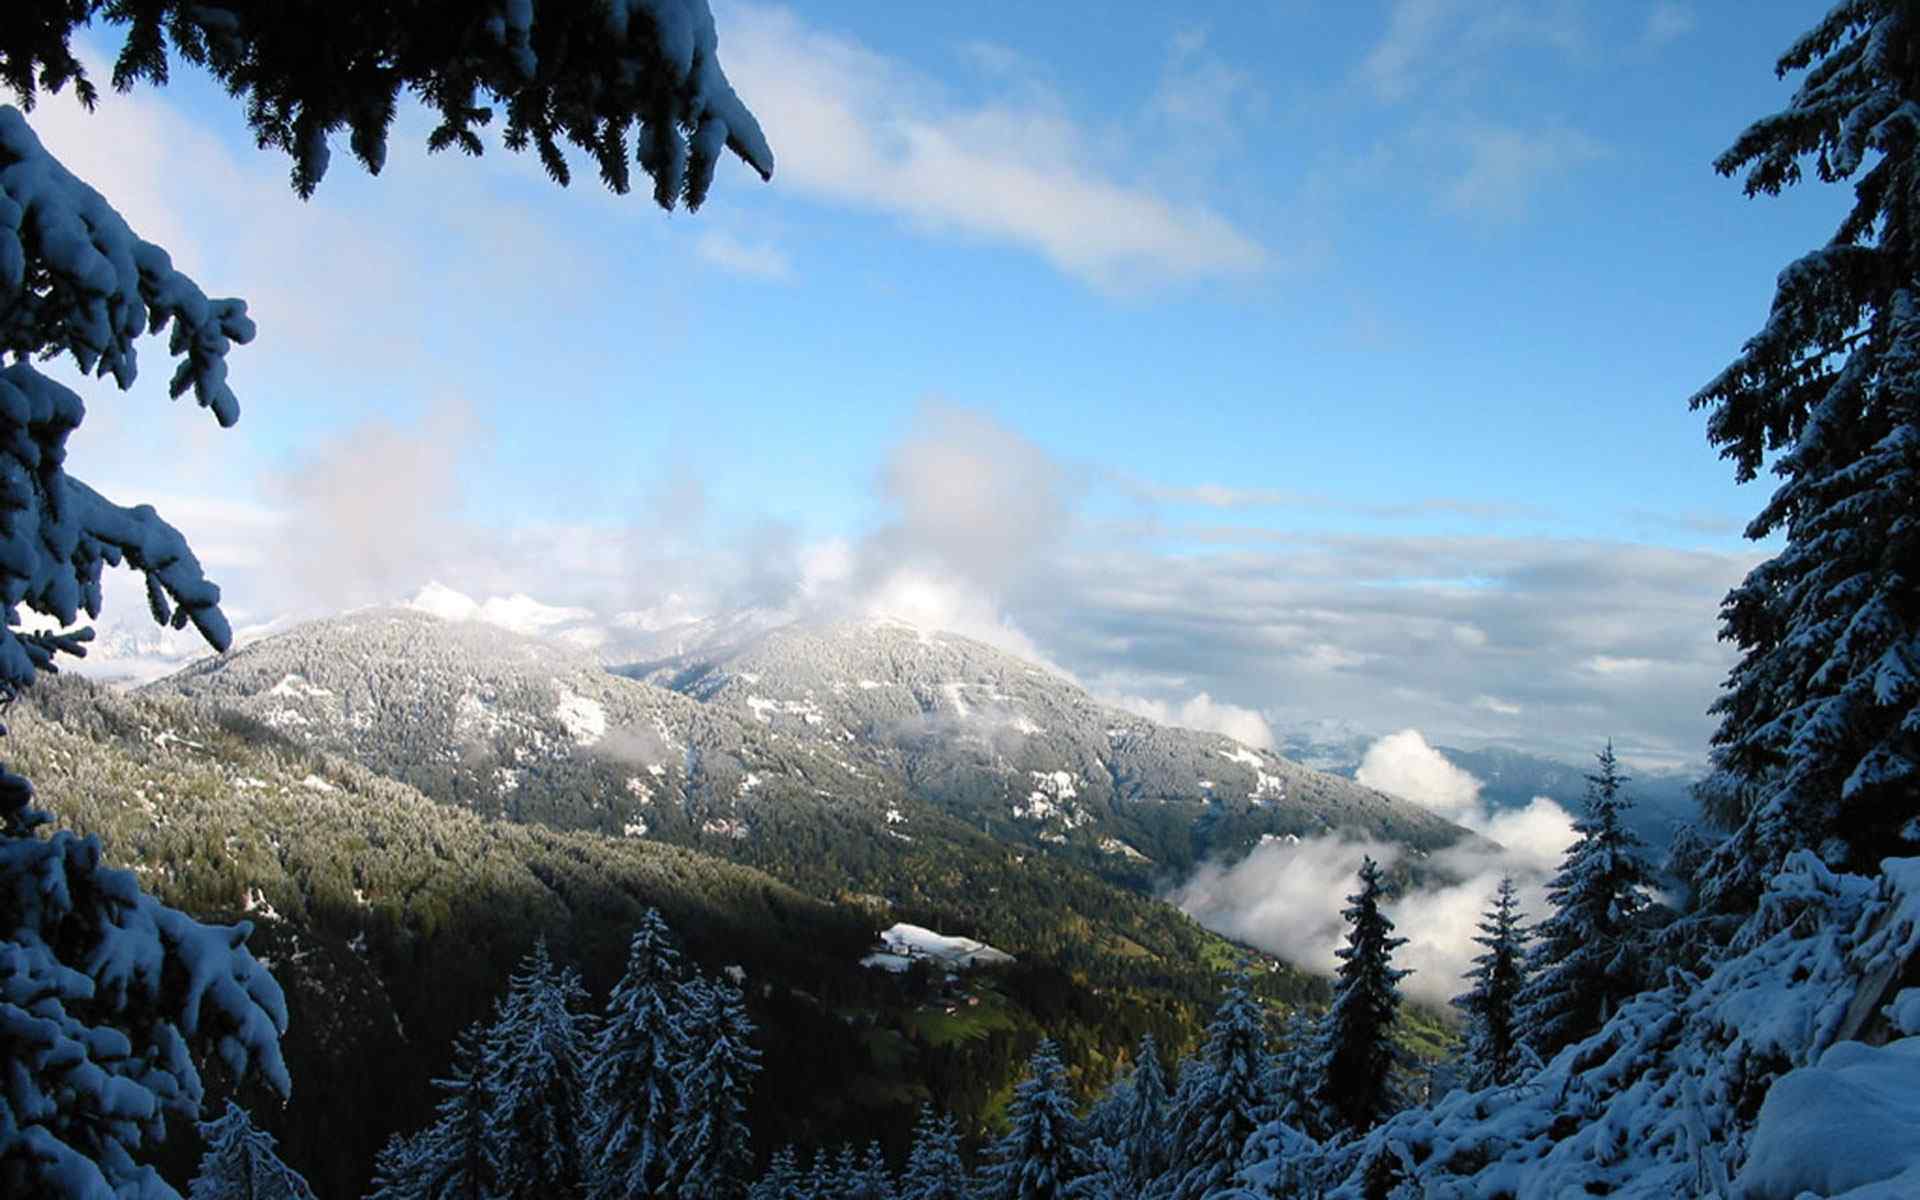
x=399, y=1168
x=710, y=1154
x=102, y=989
x=458, y=1157
x=833, y=1174
x=1226, y=1101
x=935, y=1170
x=1819, y=737
x=1494, y=1053
x=533, y=1075
x=1295, y=1087
x=1355, y=1055
x=611, y=79
x=782, y=1180
x=239, y=1163
x=1587, y=956
x=630, y=1098
x=105, y=993
x=1142, y=1133
x=874, y=1179
x=1043, y=1153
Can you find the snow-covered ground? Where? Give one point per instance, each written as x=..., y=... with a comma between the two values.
x=903, y=943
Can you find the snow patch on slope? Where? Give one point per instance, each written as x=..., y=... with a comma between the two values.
x=581, y=716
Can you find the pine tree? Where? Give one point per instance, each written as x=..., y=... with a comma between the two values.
x=1142, y=1135
x=782, y=1179
x=1586, y=957
x=400, y=1168
x=710, y=1154
x=1043, y=1152
x=1224, y=1102
x=1494, y=1053
x=874, y=1179
x=935, y=1170
x=1819, y=739
x=239, y=1163
x=630, y=1096
x=105, y=994
x=1295, y=1086
x=533, y=1074
x=459, y=1154
x=833, y=1174
x=1355, y=1055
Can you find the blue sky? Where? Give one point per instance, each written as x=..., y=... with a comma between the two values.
x=1255, y=363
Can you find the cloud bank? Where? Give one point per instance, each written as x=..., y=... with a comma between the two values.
x=1286, y=897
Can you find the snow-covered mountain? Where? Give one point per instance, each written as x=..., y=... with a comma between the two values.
x=875, y=718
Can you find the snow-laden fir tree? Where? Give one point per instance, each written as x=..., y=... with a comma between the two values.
x=399, y=1168
x=239, y=1163
x=105, y=994
x=935, y=1170
x=1295, y=1087
x=1101, y=1124
x=1221, y=1105
x=1819, y=737
x=533, y=1074
x=1141, y=1136
x=1043, y=1153
x=457, y=1157
x=710, y=1154
x=874, y=1179
x=613, y=78
x=630, y=1089
x=782, y=1180
x=1494, y=1053
x=1355, y=1055
x=1588, y=953
x=834, y=1174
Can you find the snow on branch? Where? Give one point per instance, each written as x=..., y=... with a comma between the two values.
x=622, y=80
x=75, y=279
x=56, y=534
x=103, y=991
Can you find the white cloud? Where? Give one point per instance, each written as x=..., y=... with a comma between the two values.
x=1200, y=712
x=1287, y=897
x=755, y=260
x=1431, y=44
x=1404, y=765
x=1506, y=167
x=371, y=514
x=1668, y=21
x=856, y=128
x=1394, y=66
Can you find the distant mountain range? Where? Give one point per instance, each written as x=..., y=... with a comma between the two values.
x=760, y=664
x=875, y=720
